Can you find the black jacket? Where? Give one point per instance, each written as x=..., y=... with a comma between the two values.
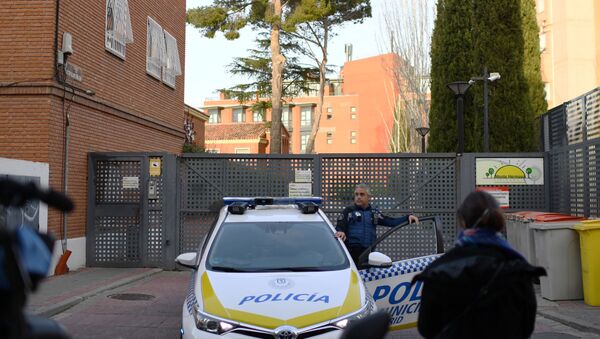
x=454, y=305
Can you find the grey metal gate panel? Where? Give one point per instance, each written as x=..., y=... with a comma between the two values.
x=114, y=217
x=420, y=184
x=128, y=227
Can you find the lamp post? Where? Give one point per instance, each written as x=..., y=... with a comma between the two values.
x=486, y=77
x=459, y=88
x=423, y=132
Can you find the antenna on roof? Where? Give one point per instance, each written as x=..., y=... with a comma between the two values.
x=348, y=50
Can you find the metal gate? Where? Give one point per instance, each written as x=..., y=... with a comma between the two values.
x=424, y=184
x=128, y=219
x=141, y=218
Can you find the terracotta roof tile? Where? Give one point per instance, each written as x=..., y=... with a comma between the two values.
x=235, y=131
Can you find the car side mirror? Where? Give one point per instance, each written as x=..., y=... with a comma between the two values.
x=378, y=259
x=187, y=259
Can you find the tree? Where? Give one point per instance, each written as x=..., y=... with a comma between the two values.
x=229, y=17
x=408, y=24
x=451, y=60
x=315, y=23
x=297, y=76
x=501, y=45
x=499, y=37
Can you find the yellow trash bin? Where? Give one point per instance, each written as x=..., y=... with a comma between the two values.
x=589, y=241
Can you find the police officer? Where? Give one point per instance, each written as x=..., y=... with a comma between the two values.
x=356, y=225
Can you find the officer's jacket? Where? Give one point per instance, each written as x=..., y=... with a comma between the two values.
x=359, y=224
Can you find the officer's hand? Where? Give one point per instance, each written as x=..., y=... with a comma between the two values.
x=341, y=235
x=413, y=219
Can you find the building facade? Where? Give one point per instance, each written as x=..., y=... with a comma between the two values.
x=570, y=47
x=89, y=76
x=357, y=114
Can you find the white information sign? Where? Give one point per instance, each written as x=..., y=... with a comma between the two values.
x=509, y=171
x=501, y=193
x=300, y=189
x=131, y=182
x=303, y=176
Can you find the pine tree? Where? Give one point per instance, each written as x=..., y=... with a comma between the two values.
x=500, y=36
x=451, y=60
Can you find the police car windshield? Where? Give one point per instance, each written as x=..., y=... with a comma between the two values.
x=276, y=246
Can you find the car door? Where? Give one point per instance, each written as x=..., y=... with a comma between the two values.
x=411, y=248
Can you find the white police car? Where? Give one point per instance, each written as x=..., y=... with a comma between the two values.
x=273, y=268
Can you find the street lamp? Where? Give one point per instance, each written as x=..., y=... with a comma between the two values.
x=422, y=132
x=486, y=77
x=459, y=88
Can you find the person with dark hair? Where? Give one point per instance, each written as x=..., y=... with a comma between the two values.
x=356, y=225
x=482, y=288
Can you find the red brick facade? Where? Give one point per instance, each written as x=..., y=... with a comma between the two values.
x=130, y=111
x=359, y=118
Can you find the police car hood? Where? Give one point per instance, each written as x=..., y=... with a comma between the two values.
x=270, y=300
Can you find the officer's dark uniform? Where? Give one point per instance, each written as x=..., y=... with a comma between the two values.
x=359, y=226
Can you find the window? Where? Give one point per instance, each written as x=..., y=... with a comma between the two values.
x=306, y=116
x=117, y=27
x=258, y=246
x=353, y=113
x=303, y=141
x=171, y=67
x=242, y=150
x=162, y=56
x=214, y=116
x=329, y=137
x=238, y=115
x=155, y=49
x=329, y=113
x=286, y=117
x=259, y=115
x=353, y=109
x=353, y=137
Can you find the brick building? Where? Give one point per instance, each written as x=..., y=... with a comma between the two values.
x=118, y=87
x=357, y=112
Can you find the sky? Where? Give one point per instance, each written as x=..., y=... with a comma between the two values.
x=206, y=59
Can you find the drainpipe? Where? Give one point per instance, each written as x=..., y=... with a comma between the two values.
x=67, y=132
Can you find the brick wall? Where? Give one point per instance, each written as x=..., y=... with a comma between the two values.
x=27, y=40
x=131, y=110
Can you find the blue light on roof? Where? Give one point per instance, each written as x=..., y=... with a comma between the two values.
x=275, y=201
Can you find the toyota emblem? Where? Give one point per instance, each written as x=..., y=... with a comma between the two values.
x=286, y=332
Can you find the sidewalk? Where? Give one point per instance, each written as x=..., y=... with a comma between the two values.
x=573, y=313
x=59, y=293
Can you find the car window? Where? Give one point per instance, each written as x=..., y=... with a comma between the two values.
x=276, y=246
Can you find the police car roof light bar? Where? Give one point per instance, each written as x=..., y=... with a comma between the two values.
x=272, y=201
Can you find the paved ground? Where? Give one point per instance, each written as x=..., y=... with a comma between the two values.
x=84, y=303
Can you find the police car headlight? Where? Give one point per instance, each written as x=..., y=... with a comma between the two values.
x=210, y=324
x=363, y=312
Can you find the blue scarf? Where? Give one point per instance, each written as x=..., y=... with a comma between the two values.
x=483, y=236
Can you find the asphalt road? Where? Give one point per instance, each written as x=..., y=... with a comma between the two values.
x=155, y=312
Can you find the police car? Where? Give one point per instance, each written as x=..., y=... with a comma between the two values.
x=273, y=268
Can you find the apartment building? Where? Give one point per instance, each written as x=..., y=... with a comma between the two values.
x=570, y=47
x=89, y=76
x=357, y=114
